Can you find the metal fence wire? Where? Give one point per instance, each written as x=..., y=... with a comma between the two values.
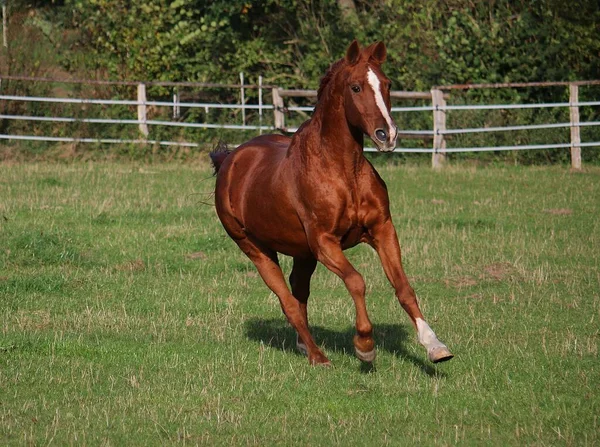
x=286, y=105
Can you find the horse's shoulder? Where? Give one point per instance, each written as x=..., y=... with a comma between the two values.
x=372, y=177
x=374, y=195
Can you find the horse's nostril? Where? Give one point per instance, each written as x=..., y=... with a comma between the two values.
x=381, y=135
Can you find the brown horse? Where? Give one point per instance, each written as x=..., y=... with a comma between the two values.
x=315, y=194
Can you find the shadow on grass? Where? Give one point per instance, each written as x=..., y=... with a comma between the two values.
x=278, y=334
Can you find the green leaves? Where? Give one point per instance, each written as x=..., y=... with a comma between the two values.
x=430, y=42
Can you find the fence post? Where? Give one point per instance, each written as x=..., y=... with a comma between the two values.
x=141, y=109
x=260, y=104
x=439, y=126
x=4, y=24
x=176, y=107
x=278, y=109
x=575, y=136
x=243, y=97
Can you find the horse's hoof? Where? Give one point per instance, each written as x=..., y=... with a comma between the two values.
x=319, y=360
x=440, y=354
x=368, y=357
x=302, y=348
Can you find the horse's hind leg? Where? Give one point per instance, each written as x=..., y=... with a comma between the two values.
x=268, y=267
x=300, y=281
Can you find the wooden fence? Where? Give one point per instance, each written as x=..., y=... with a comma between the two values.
x=438, y=97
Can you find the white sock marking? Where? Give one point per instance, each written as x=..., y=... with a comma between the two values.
x=426, y=336
x=376, y=86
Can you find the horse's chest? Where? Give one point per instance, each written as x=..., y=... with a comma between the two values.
x=351, y=224
x=351, y=213
x=338, y=208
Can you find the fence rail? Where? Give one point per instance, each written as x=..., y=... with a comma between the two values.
x=438, y=108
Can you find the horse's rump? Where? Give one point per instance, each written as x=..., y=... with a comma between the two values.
x=255, y=200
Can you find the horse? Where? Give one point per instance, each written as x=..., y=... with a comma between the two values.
x=315, y=194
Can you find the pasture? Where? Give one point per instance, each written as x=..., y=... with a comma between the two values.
x=127, y=316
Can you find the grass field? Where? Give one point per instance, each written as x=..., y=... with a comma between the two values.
x=129, y=318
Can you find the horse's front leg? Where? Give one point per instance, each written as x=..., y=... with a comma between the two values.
x=385, y=242
x=328, y=251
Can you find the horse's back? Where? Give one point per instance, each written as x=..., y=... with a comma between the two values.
x=265, y=149
x=249, y=160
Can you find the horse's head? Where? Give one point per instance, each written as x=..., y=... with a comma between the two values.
x=367, y=94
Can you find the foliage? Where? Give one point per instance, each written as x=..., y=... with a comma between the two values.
x=431, y=42
x=291, y=43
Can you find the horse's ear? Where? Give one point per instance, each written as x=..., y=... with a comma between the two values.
x=378, y=52
x=353, y=53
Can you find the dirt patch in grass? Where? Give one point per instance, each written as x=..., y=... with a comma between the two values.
x=559, y=211
x=33, y=320
x=132, y=266
x=197, y=255
x=460, y=282
x=499, y=270
x=475, y=296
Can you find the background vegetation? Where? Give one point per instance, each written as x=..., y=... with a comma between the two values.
x=291, y=43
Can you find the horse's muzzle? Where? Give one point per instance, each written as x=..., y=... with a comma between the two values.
x=385, y=141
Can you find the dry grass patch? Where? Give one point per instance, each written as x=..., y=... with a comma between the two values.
x=559, y=211
x=128, y=316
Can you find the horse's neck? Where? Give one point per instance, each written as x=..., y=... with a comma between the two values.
x=337, y=146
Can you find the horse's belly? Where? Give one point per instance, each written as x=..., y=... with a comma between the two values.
x=270, y=219
x=284, y=237
x=292, y=247
x=353, y=237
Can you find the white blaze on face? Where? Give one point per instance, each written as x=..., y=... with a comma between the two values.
x=376, y=86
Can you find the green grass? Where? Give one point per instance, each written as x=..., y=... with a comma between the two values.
x=128, y=317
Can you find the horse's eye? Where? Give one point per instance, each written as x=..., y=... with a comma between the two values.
x=355, y=88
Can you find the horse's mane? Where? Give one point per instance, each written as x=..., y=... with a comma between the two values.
x=331, y=72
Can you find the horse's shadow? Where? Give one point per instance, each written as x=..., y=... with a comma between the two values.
x=278, y=334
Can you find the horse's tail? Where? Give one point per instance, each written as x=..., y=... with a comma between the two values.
x=218, y=155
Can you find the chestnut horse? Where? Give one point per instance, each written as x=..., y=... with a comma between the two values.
x=315, y=194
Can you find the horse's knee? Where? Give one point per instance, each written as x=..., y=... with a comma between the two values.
x=407, y=296
x=355, y=283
